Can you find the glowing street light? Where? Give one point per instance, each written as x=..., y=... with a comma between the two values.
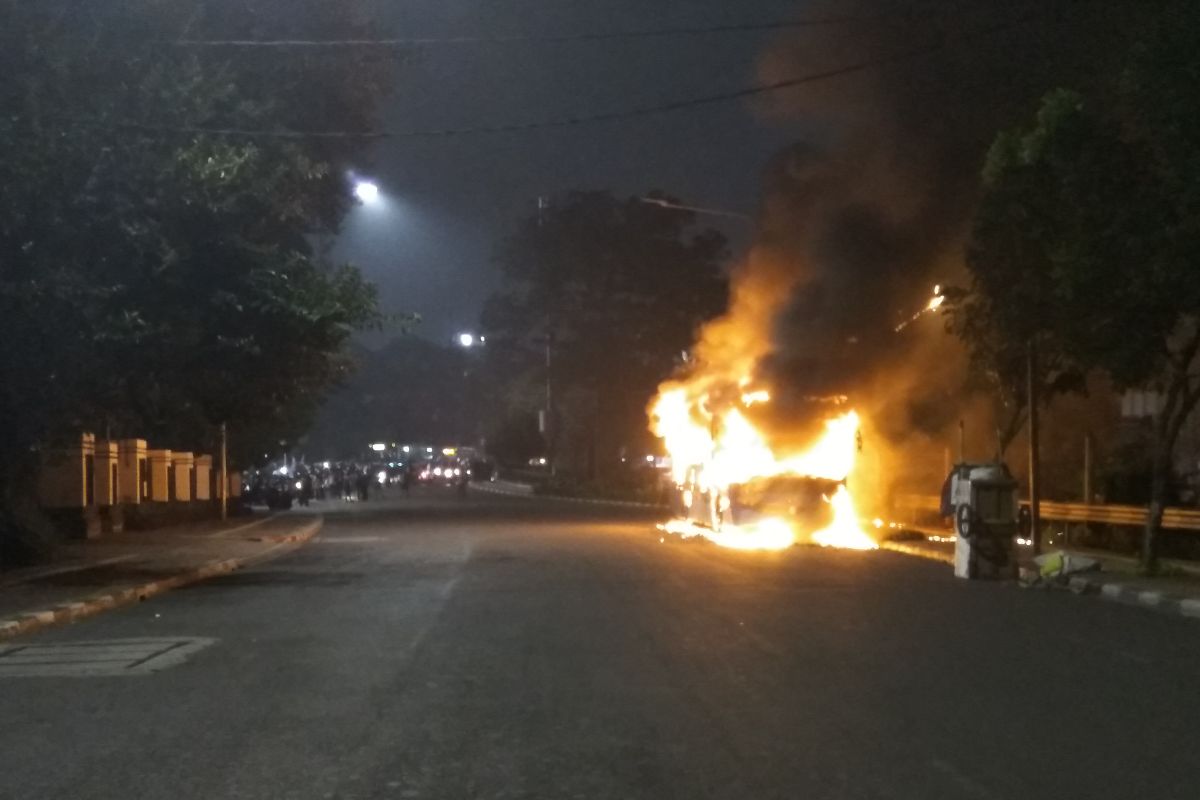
x=469, y=340
x=714, y=212
x=367, y=192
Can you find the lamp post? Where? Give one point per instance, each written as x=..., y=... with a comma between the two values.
x=712, y=212
x=1032, y=400
x=1035, y=488
x=468, y=413
x=224, y=471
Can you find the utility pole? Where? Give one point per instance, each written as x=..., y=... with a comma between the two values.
x=1087, y=469
x=1035, y=497
x=550, y=432
x=224, y=488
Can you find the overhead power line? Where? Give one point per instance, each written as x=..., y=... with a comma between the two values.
x=592, y=36
x=562, y=122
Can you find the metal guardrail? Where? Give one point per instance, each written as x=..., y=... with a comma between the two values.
x=1182, y=519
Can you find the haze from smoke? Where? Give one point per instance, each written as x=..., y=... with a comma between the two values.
x=861, y=218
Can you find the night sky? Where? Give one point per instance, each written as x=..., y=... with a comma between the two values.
x=448, y=200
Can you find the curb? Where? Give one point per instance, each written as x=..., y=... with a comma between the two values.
x=528, y=492
x=1153, y=600
x=1160, y=602
x=105, y=601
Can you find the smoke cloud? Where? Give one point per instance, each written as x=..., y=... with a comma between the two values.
x=871, y=209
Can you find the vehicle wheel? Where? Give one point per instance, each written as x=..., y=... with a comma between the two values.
x=963, y=523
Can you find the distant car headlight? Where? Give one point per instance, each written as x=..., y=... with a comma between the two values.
x=382, y=476
x=457, y=471
x=299, y=485
x=437, y=471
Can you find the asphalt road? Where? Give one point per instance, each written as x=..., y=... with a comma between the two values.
x=487, y=647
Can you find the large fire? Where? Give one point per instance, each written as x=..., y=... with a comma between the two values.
x=713, y=450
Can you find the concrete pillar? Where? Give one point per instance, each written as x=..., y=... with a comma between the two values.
x=133, y=471
x=66, y=476
x=182, y=476
x=108, y=474
x=160, y=475
x=233, y=485
x=202, y=478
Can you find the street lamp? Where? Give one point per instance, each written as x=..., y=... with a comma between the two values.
x=712, y=212
x=938, y=301
x=367, y=192
x=466, y=340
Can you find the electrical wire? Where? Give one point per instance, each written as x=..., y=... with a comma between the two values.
x=593, y=36
x=563, y=122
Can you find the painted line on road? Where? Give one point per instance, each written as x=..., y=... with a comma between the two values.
x=106, y=658
x=70, y=612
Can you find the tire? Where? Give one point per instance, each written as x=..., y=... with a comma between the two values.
x=964, y=521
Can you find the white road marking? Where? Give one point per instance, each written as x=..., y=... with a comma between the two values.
x=106, y=658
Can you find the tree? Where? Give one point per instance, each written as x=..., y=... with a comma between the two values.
x=1012, y=293
x=1087, y=237
x=155, y=279
x=615, y=289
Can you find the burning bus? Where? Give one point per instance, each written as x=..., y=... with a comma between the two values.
x=795, y=501
x=734, y=489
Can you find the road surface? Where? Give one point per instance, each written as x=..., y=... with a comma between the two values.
x=491, y=647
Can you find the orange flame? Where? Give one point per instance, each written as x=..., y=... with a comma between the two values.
x=707, y=428
x=845, y=530
x=767, y=534
x=723, y=449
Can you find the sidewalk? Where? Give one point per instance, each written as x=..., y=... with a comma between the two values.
x=1177, y=592
x=93, y=576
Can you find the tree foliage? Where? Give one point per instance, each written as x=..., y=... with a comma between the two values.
x=155, y=279
x=1087, y=238
x=616, y=288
